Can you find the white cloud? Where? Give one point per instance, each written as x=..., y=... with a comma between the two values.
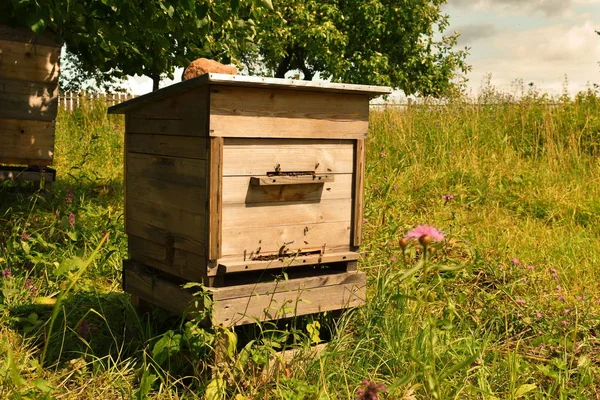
x=550, y=8
x=543, y=56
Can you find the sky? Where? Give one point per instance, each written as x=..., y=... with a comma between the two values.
x=550, y=43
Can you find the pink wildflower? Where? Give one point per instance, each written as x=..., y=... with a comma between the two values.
x=69, y=196
x=531, y=267
x=425, y=230
x=579, y=298
x=567, y=310
x=383, y=155
x=538, y=315
x=558, y=287
x=447, y=197
x=500, y=266
x=561, y=298
x=564, y=322
x=520, y=300
x=29, y=284
x=393, y=259
x=25, y=236
x=369, y=391
x=71, y=220
x=516, y=262
x=6, y=273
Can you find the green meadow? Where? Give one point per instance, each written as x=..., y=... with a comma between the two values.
x=506, y=306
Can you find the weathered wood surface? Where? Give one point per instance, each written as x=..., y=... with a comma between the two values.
x=233, y=266
x=288, y=298
x=31, y=142
x=215, y=200
x=26, y=35
x=260, y=156
x=26, y=174
x=358, y=194
x=294, y=86
x=166, y=145
x=29, y=62
x=290, y=180
x=167, y=258
x=258, y=112
x=243, y=304
x=28, y=100
x=177, y=195
x=159, y=223
x=301, y=237
x=237, y=189
x=183, y=115
x=187, y=171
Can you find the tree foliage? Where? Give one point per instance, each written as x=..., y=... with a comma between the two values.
x=387, y=42
x=144, y=37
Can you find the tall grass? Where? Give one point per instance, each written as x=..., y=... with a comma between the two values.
x=510, y=309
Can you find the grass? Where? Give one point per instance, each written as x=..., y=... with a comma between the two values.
x=507, y=307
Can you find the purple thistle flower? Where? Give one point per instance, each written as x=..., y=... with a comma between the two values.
x=6, y=273
x=25, y=236
x=369, y=391
x=425, y=230
x=71, y=220
x=69, y=196
x=29, y=284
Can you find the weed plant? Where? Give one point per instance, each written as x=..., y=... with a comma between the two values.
x=506, y=306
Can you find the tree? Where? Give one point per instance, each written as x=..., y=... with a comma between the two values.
x=385, y=42
x=145, y=37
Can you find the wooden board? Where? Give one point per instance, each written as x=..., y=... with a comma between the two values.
x=233, y=266
x=29, y=62
x=243, y=304
x=261, y=112
x=269, y=239
x=182, y=115
x=287, y=299
x=278, y=180
x=187, y=171
x=160, y=222
x=28, y=100
x=27, y=35
x=281, y=214
x=167, y=145
x=215, y=200
x=31, y=142
x=167, y=258
x=359, y=183
x=237, y=189
x=177, y=195
x=260, y=156
x=26, y=174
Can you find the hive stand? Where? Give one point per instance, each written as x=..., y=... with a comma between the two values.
x=252, y=187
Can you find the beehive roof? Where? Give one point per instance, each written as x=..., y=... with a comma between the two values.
x=251, y=81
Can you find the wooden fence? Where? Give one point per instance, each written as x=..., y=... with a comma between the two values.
x=71, y=101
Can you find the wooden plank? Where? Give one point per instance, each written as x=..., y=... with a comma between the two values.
x=260, y=156
x=163, y=293
x=26, y=140
x=237, y=189
x=229, y=267
x=28, y=100
x=245, y=310
x=156, y=221
x=273, y=112
x=174, y=261
x=187, y=171
x=184, y=114
x=330, y=278
x=280, y=214
x=29, y=62
x=173, y=194
x=167, y=145
x=249, y=81
x=215, y=201
x=269, y=239
x=26, y=174
x=291, y=180
x=359, y=183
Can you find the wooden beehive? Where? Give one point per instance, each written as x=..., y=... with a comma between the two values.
x=231, y=179
x=29, y=69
